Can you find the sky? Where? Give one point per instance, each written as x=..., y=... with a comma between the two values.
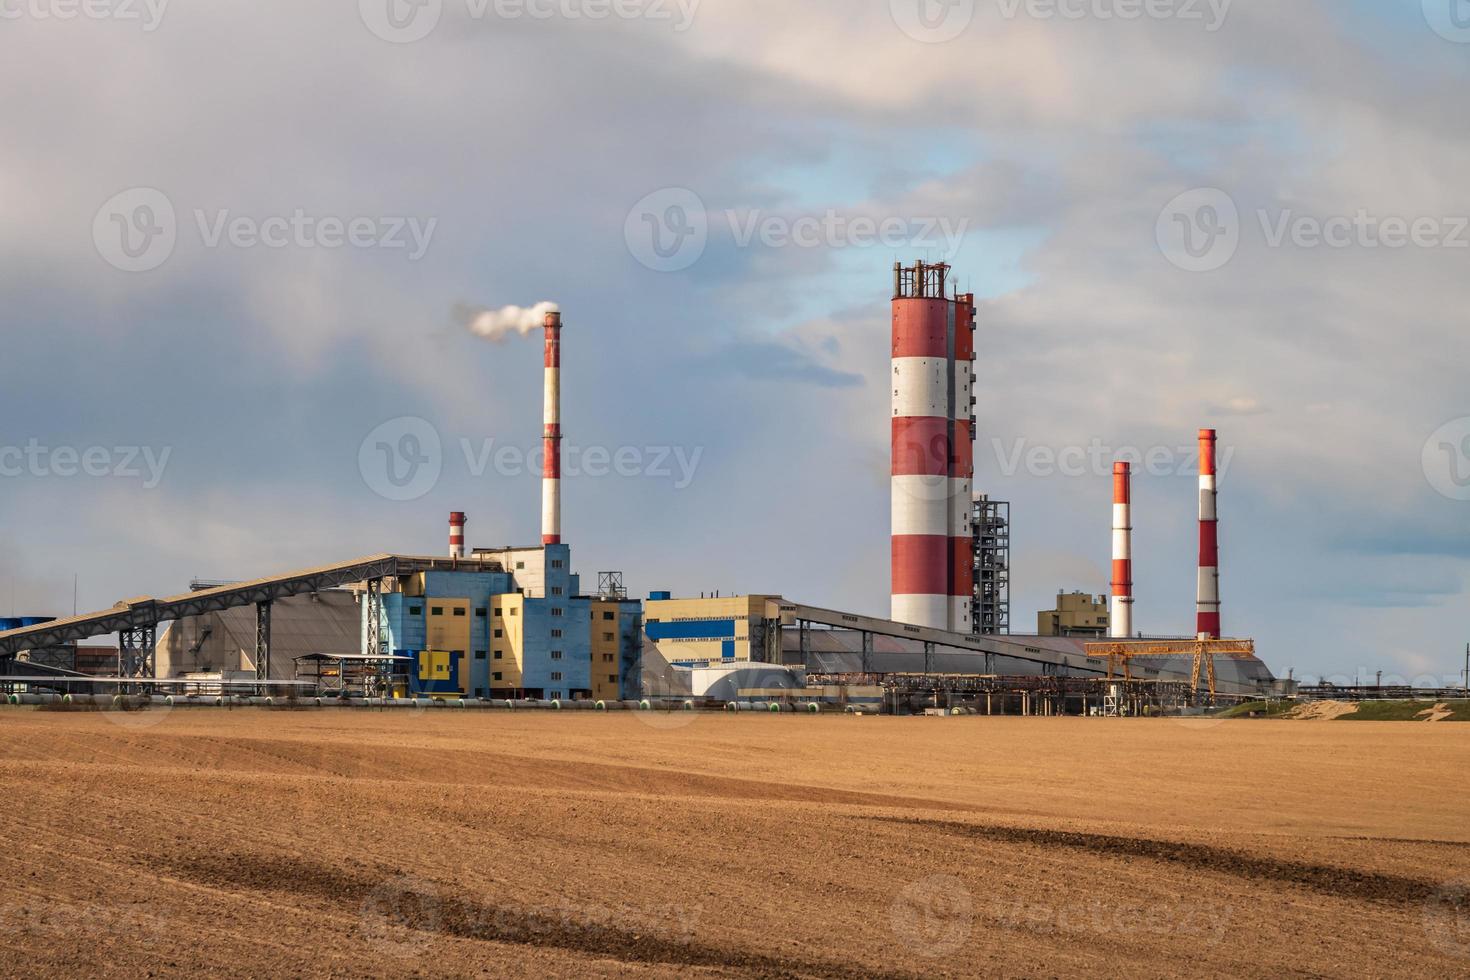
x=239, y=244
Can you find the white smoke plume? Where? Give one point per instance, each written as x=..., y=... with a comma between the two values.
x=497, y=325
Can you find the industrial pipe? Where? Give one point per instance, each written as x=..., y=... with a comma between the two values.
x=456, y=534
x=1208, y=594
x=551, y=438
x=1120, y=612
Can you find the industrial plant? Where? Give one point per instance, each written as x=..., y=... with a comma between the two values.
x=519, y=627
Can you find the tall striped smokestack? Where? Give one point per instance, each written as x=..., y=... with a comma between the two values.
x=1120, y=613
x=933, y=452
x=456, y=534
x=1208, y=606
x=551, y=438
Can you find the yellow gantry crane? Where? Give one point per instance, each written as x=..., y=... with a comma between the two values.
x=1122, y=653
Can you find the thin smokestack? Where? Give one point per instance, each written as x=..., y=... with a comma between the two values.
x=1120, y=615
x=1208, y=606
x=456, y=534
x=551, y=470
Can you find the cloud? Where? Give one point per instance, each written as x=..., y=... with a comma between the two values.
x=759, y=360
x=1239, y=405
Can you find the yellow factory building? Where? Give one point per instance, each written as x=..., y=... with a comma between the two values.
x=720, y=629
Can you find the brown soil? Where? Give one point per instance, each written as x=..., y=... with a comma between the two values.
x=248, y=843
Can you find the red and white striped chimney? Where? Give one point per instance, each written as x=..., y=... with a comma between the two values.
x=551, y=438
x=933, y=348
x=1208, y=606
x=456, y=534
x=1120, y=613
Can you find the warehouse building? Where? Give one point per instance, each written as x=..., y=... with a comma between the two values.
x=223, y=642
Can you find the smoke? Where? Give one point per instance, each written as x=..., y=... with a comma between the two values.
x=497, y=325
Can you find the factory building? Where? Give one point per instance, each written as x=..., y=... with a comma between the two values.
x=511, y=623
x=616, y=645
x=718, y=630
x=933, y=467
x=802, y=648
x=1076, y=614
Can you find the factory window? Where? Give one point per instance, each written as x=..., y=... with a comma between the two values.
x=479, y=654
x=480, y=613
x=459, y=612
x=513, y=611
x=556, y=590
x=556, y=675
x=607, y=615
x=498, y=654
x=607, y=658
x=495, y=676
x=556, y=563
x=556, y=610
x=612, y=678
x=607, y=636
x=556, y=655
x=499, y=633
x=520, y=564
x=556, y=695
x=497, y=610
x=556, y=634
x=436, y=610
x=415, y=610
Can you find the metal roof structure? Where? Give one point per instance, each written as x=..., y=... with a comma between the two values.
x=145, y=612
x=849, y=643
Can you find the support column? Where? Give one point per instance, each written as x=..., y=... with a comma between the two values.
x=135, y=651
x=373, y=598
x=262, y=646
